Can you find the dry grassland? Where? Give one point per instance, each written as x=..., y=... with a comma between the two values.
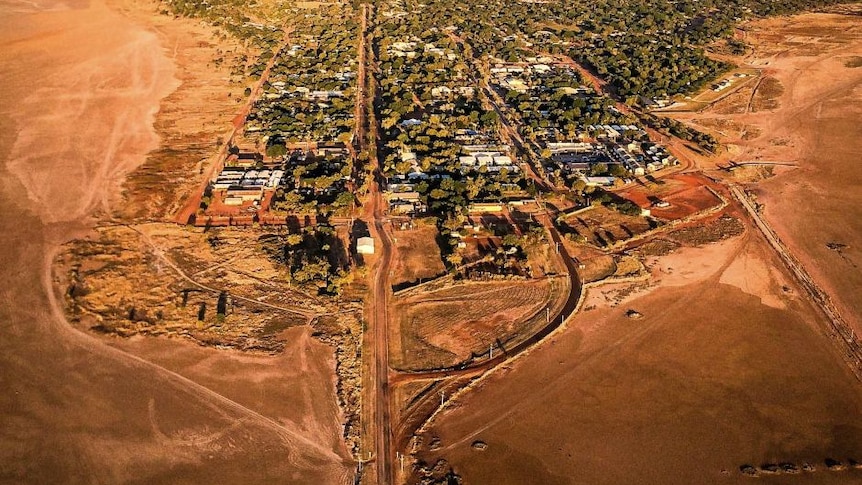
x=601, y=226
x=127, y=281
x=445, y=327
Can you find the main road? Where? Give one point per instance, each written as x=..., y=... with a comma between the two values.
x=379, y=336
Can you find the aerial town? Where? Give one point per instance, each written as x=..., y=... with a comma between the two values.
x=405, y=242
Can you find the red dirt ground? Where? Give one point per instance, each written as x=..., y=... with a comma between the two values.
x=74, y=409
x=685, y=192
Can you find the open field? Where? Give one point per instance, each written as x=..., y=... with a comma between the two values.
x=417, y=256
x=81, y=89
x=445, y=327
x=809, y=115
x=723, y=369
x=737, y=79
x=602, y=227
x=294, y=388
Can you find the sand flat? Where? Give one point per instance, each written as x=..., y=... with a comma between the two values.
x=819, y=112
x=814, y=123
x=710, y=379
x=78, y=95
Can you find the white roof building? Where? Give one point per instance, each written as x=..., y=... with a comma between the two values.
x=365, y=245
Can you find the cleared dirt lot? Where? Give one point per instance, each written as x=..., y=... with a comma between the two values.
x=446, y=327
x=687, y=195
x=417, y=256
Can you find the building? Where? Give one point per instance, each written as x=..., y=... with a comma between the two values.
x=485, y=207
x=599, y=181
x=365, y=245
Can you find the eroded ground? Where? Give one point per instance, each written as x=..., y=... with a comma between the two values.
x=82, y=88
x=805, y=113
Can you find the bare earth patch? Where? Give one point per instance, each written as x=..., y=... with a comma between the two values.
x=448, y=326
x=81, y=88
x=417, y=255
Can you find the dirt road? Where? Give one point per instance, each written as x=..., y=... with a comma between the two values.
x=188, y=211
x=841, y=333
x=379, y=335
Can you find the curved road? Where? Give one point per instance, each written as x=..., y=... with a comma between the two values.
x=476, y=368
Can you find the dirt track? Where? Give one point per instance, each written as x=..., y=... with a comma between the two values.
x=812, y=122
x=77, y=410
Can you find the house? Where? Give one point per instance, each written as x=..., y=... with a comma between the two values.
x=365, y=245
x=247, y=194
x=466, y=91
x=721, y=86
x=484, y=159
x=467, y=160
x=515, y=84
x=401, y=208
x=485, y=207
x=404, y=196
x=441, y=91
x=466, y=135
x=599, y=181
x=570, y=147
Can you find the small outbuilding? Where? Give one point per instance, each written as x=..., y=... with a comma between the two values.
x=365, y=245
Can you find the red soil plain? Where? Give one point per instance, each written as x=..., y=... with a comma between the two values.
x=810, y=68
x=729, y=364
x=81, y=89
